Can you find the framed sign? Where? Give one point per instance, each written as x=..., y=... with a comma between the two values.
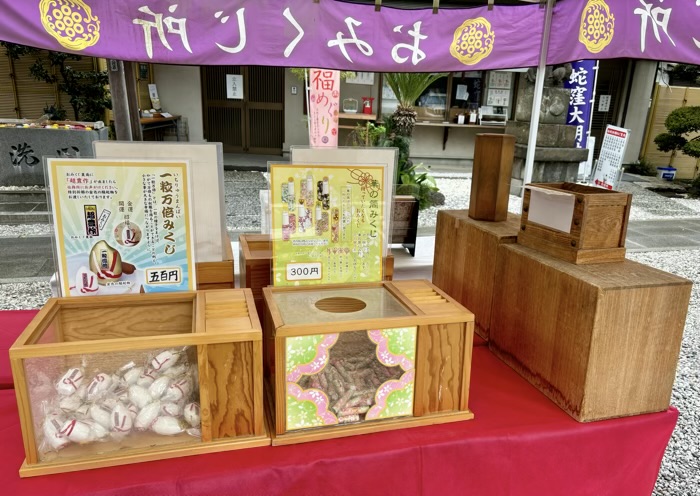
x=122, y=226
x=327, y=223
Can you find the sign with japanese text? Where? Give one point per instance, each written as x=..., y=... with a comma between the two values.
x=609, y=167
x=234, y=86
x=581, y=82
x=638, y=29
x=122, y=226
x=324, y=106
x=327, y=223
x=351, y=36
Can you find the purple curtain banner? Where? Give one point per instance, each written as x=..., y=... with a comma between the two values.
x=339, y=35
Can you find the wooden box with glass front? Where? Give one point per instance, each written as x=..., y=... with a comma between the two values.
x=352, y=359
x=111, y=380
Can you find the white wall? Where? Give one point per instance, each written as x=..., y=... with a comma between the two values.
x=427, y=141
x=180, y=92
x=638, y=108
x=295, y=127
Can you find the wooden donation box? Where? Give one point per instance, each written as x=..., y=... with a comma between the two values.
x=360, y=358
x=465, y=260
x=256, y=265
x=577, y=223
x=111, y=380
x=600, y=340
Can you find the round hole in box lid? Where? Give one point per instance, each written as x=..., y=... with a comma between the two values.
x=340, y=304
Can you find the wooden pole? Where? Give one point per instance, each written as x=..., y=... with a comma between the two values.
x=122, y=85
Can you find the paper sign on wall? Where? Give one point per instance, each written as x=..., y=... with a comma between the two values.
x=153, y=94
x=234, y=86
x=327, y=223
x=122, y=226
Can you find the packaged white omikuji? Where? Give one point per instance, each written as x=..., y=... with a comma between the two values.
x=97, y=402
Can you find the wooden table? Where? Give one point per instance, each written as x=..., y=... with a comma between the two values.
x=518, y=443
x=157, y=124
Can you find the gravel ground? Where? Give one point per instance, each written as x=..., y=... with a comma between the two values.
x=23, y=230
x=680, y=469
x=24, y=295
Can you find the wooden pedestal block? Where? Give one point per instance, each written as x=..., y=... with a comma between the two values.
x=464, y=265
x=217, y=275
x=595, y=233
x=493, y=164
x=256, y=265
x=600, y=340
x=351, y=359
x=76, y=354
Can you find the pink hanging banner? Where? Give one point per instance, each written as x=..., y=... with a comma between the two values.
x=324, y=106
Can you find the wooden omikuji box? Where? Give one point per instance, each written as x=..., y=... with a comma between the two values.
x=353, y=359
x=96, y=377
x=217, y=275
x=464, y=265
x=597, y=229
x=256, y=265
x=600, y=340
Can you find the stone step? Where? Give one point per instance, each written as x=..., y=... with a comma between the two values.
x=30, y=212
x=25, y=218
x=34, y=195
x=26, y=206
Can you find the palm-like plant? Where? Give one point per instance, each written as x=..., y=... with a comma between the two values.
x=408, y=87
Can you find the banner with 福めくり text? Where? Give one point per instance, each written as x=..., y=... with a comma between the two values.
x=122, y=226
x=324, y=99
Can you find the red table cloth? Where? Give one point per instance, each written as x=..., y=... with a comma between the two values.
x=12, y=323
x=519, y=443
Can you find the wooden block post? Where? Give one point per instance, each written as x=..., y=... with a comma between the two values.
x=493, y=163
x=465, y=260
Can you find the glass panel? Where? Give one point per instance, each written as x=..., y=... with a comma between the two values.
x=306, y=307
x=83, y=405
x=432, y=103
x=389, y=101
x=350, y=377
x=467, y=87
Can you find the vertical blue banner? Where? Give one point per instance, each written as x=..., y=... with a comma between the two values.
x=581, y=83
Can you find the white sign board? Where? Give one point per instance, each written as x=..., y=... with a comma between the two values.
x=207, y=164
x=603, y=103
x=609, y=167
x=549, y=208
x=234, y=86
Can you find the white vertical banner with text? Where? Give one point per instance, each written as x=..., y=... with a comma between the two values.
x=324, y=105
